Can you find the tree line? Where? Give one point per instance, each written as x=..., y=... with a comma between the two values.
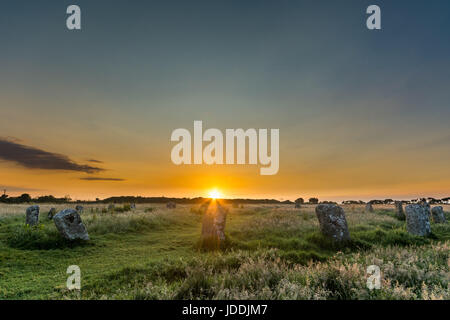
x=26, y=198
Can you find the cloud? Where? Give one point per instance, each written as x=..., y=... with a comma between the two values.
x=95, y=161
x=101, y=179
x=16, y=189
x=34, y=158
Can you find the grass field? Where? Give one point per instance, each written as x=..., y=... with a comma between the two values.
x=271, y=252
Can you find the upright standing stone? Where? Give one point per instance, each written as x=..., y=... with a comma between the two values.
x=399, y=210
x=79, y=208
x=32, y=217
x=369, y=207
x=417, y=220
x=51, y=213
x=69, y=224
x=332, y=222
x=426, y=205
x=171, y=205
x=213, y=224
x=438, y=215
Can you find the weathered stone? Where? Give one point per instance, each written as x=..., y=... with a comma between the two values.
x=332, y=222
x=417, y=220
x=426, y=205
x=32, y=217
x=369, y=207
x=69, y=224
x=399, y=210
x=79, y=208
x=51, y=213
x=213, y=224
x=438, y=215
x=171, y=205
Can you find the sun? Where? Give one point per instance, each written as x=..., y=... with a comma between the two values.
x=215, y=194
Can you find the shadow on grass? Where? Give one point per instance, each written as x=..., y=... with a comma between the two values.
x=40, y=238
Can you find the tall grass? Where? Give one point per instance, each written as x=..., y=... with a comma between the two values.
x=416, y=272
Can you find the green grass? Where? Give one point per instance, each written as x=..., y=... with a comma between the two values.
x=270, y=253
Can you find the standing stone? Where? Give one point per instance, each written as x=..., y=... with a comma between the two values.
x=332, y=222
x=399, y=210
x=171, y=205
x=417, y=220
x=213, y=224
x=297, y=205
x=51, y=213
x=438, y=215
x=426, y=205
x=133, y=206
x=369, y=207
x=32, y=218
x=68, y=222
x=79, y=208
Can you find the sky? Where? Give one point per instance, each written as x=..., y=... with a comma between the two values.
x=89, y=113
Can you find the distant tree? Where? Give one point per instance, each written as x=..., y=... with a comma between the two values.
x=46, y=199
x=388, y=201
x=352, y=202
x=4, y=198
x=25, y=197
x=300, y=201
x=313, y=200
x=433, y=200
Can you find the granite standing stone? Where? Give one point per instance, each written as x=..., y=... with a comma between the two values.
x=417, y=220
x=51, y=213
x=438, y=215
x=69, y=224
x=32, y=217
x=332, y=222
x=213, y=224
x=399, y=210
x=171, y=205
x=368, y=208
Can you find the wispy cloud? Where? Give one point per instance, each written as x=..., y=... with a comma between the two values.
x=101, y=179
x=16, y=189
x=95, y=161
x=34, y=158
